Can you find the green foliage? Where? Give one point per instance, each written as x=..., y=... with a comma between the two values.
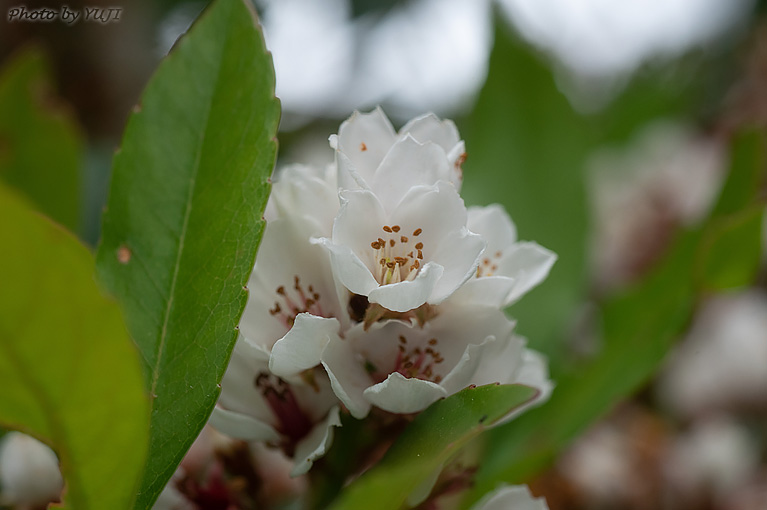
x=69, y=373
x=40, y=145
x=424, y=447
x=641, y=325
x=526, y=150
x=184, y=219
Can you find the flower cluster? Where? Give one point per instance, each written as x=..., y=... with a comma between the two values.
x=375, y=287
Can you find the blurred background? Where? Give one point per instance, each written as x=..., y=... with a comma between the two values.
x=625, y=136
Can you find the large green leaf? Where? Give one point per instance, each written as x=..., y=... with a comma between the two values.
x=184, y=219
x=640, y=326
x=526, y=150
x=40, y=144
x=69, y=373
x=435, y=435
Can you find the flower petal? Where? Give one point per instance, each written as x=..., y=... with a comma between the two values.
x=529, y=264
x=349, y=269
x=363, y=140
x=459, y=253
x=398, y=394
x=241, y=426
x=491, y=291
x=316, y=443
x=347, y=376
x=494, y=224
x=406, y=165
x=301, y=348
x=429, y=128
x=407, y=295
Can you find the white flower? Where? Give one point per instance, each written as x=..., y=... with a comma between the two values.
x=403, y=250
x=369, y=153
x=256, y=405
x=402, y=367
x=29, y=472
x=292, y=297
x=509, y=268
x=515, y=497
x=723, y=361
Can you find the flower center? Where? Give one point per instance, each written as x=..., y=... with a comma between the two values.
x=413, y=362
x=292, y=421
x=489, y=265
x=290, y=304
x=397, y=256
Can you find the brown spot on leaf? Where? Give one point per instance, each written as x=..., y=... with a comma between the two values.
x=123, y=254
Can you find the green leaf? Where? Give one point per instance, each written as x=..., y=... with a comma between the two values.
x=526, y=150
x=69, y=374
x=433, y=437
x=184, y=219
x=41, y=148
x=639, y=327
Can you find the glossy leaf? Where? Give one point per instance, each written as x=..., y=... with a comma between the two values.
x=41, y=149
x=640, y=326
x=69, y=374
x=184, y=219
x=433, y=437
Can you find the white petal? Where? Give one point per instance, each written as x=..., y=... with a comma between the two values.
x=302, y=346
x=407, y=295
x=511, y=498
x=459, y=253
x=529, y=264
x=398, y=394
x=238, y=393
x=364, y=138
x=429, y=128
x=349, y=269
x=316, y=443
x=305, y=191
x=347, y=377
x=29, y=472
x=436, y=210
x=534, y=373
x=494, y=224
x=460, y=376
x=360, y=221
x=241, y=426
x=492, y=291
x=406, y=165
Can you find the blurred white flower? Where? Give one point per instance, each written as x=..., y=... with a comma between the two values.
x=29, y=472
x=402, y=367
x=668, y=177
x=723, y=361
x=515, y=497
x=717, y=455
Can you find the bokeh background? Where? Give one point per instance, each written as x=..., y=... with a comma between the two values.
x=607, y=129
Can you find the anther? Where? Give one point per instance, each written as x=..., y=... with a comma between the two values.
x=433, y=341
x=281, y=290
x=392, y=242
x=387, y=228
x=417, y=232
x=395, y=228
x=419, y=246
x=363, y=147
x=420, y=254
